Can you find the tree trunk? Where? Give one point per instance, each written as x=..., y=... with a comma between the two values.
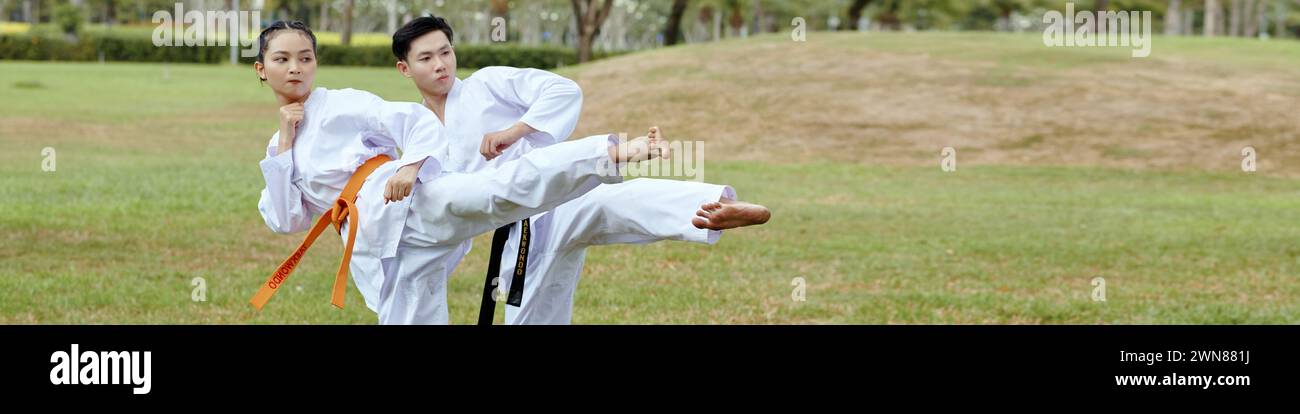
x=584, y=47
x=1004, y=19
x=499, y=8
x=589, y=19
x=1222, y=24
x=1251, y=16
x=390, y=7
x=1234, y=17
x=346, y=37
x=737, y=19
x=855, y=13
x=717, y=26
x=110, y=12
x=303, y=12
x=1173, y=18
x=1279, y=19
x=323, y=23
x=282, y=11
x=1100, y=26
x=675, y=23
x=1211, y=18
x=888, y=19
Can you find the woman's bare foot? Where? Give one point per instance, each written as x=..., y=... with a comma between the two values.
x=659, y=143
x=729, y=214
x=648, y=147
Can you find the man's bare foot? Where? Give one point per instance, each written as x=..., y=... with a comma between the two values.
x=729, y=214
x=648, y=147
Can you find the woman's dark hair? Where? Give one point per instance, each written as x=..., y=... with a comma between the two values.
x=414, y=29
x=268, y=33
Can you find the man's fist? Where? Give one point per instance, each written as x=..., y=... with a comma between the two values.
x=494, y=144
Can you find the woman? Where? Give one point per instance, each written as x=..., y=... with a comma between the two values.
x=331, y=155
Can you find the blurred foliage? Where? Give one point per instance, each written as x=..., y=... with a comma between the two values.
x=633, y=24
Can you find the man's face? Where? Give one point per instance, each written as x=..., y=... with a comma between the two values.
x=431, y=63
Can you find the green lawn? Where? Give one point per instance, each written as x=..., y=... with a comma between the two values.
x=157, y=184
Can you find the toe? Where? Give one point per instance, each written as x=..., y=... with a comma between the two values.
x=700, y=223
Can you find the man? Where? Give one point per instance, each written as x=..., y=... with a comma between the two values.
x=500, y=113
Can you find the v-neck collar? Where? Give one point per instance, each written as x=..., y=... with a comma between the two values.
x=446, y=106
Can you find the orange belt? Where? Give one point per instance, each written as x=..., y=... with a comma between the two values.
x=343, y=211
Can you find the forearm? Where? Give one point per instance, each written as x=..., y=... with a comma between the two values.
x=520, y=130
x=283, y=145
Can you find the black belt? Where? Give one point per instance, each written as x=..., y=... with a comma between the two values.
x=488, y=305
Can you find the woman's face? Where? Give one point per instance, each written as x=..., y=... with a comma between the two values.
x=289, y=65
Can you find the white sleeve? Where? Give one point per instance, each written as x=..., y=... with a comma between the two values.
x=281, y=204
x=552, y=103
x=410, y=127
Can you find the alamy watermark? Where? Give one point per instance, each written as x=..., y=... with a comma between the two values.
x=685, y=160
x=48, y=159
x=1098, y=289
x=200, y=291
x=1248, y=161
x=800, y=291
x=203, y=28
x=1101, y=29
x=948, y=159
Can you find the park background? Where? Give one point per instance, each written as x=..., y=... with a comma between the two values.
x=1076, y=167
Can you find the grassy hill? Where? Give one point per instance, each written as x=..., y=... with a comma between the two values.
x=898, y=98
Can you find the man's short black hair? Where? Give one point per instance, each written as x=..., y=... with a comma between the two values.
x=414, y=29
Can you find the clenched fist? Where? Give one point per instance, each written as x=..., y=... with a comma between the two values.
x=496, y=143
x=402, y=182
x=290, y=116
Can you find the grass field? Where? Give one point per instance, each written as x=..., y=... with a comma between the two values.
x=157, y=184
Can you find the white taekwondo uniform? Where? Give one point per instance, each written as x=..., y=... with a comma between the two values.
x=402, y=246
x=638, y=211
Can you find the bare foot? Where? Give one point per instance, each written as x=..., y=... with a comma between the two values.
x=659, y=143
x=729, y=214
x=648, y=147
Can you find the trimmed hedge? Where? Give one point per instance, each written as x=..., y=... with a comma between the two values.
x=123, y=49
x=467, y=56
x=24, y=47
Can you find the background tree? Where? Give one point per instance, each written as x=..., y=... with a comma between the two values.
x=349, y=7
x=673, y=32
x=590, y=16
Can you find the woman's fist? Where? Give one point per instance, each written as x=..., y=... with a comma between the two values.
x=290, y=116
